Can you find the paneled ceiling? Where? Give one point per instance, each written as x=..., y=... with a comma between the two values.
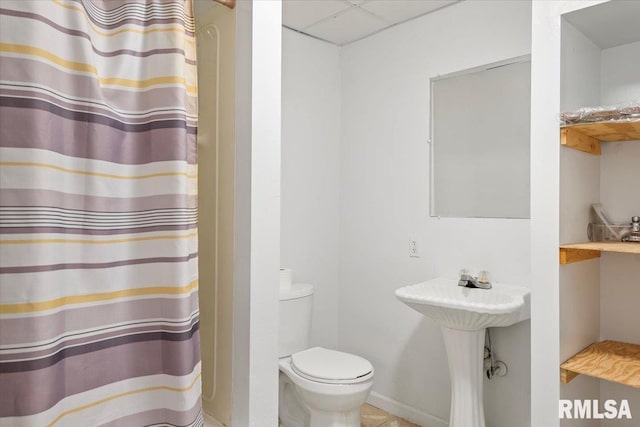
x=344, y=21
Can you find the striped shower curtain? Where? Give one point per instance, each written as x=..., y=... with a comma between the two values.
x=98, y=227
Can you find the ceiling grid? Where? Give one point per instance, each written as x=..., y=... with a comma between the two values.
x=345, y=21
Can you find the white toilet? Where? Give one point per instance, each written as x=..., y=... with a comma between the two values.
x=318, y=387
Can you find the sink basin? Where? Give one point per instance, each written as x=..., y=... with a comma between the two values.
x=463, y=315
x=467, y=309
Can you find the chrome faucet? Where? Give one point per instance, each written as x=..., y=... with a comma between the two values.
x=480, y=282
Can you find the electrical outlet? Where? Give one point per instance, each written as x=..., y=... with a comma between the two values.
x=414, y=248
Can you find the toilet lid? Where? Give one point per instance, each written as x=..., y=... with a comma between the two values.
x=330, y=365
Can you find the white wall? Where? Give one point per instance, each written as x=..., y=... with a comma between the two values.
x=257, y=214
x=310, y=224
x=384, y=203
x=619, y=71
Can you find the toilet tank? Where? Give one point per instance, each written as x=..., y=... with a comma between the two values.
x=294, y=318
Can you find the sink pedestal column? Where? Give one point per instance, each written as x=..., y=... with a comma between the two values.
x=465, y=351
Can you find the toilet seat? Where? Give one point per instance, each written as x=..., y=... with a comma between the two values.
x=330, y=366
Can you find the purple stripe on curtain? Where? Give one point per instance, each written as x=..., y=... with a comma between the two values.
x=97, y=368
x=99, y=141
x=81, y=116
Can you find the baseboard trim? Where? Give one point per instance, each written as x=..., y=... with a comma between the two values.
x=407, y=412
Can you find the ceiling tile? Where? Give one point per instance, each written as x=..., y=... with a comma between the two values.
x=299, y=14
x=395, y=11
x=346, y=27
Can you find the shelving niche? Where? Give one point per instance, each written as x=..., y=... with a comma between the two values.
x=587, y=137
x=598, y=285
x=608, y=360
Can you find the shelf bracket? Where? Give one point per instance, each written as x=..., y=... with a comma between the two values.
x=569, y=255
x=566, y=376
x=575, y=139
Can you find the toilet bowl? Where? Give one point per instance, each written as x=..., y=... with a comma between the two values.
x=330, y=385
x=318, y=387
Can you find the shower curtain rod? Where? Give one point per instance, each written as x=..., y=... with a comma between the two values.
x=229, y=3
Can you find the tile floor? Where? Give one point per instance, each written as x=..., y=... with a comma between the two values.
x=370, y=416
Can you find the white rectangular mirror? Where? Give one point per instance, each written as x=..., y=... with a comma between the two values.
x=480, y=121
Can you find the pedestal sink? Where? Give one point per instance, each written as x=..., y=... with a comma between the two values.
x=463, y=315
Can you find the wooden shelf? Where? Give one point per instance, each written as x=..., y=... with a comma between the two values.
x=588, y=136
x=583, y=251
x=608, y=360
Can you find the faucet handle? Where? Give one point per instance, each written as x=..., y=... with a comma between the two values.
x=483, y=276
x=464, y=277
